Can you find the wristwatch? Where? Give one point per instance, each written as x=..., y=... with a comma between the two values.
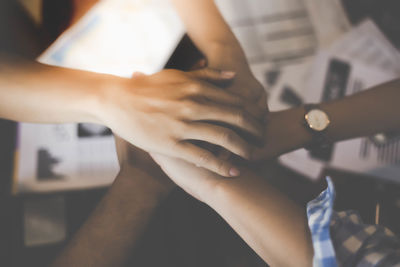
x=316, y=122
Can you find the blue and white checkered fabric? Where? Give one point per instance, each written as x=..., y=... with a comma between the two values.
x=319, y=213
x=342, y=239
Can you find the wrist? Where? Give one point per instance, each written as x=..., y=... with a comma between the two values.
x=105, y=98
x=95, y=97
x=226, y=56
x=286, y=129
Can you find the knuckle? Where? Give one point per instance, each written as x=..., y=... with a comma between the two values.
x=180, y=127
x=194, y=88
x=221, y=166
x=227, y=137
x=188, y=108
x=240, y=117
x=204, y=159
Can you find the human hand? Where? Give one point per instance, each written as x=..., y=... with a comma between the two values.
x=231, y=57
x=161, y=112
x=246, y=85
x=197, y=182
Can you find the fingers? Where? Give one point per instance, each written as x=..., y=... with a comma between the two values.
x=209, y=89
x=213, y=76
x=221, y=136
x=203, y=158
x=219, y=95
x=236, y=117
x=224, y=154
x=257, y=111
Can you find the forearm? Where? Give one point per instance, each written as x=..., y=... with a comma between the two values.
x=33, y=92
x=111, y=233
x=211, y=34
x=373, y=111
x=267, y=220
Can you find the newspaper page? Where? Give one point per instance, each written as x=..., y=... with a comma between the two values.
x=114, y=37
x=336, y=73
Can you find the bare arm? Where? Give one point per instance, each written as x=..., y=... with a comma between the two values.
x=110, y=235
x=270, y=223
x=33, y=92
x=156, y=112
x=213, y=36
x=209, y=31
x=373, y=111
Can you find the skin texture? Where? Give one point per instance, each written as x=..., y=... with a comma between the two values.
x=158, y=113
x=146, y=111
x=211, y=34
x=248, y=203
x=349, y=119
x=267, y=220
x=116, y=226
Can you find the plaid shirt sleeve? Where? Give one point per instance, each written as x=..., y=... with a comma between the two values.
x=342, y=239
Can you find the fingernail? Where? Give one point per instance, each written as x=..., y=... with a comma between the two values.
x=228, y=74
x=137, y=74
x=234, y=172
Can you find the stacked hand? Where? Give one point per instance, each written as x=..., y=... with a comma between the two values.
x=188, y=106
x=164, y=112
x=283, y=131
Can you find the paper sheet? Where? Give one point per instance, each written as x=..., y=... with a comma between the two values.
x=375, y=65
x=115, y=37
x=279, y=33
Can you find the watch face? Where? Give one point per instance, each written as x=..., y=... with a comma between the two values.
x=317, y=120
